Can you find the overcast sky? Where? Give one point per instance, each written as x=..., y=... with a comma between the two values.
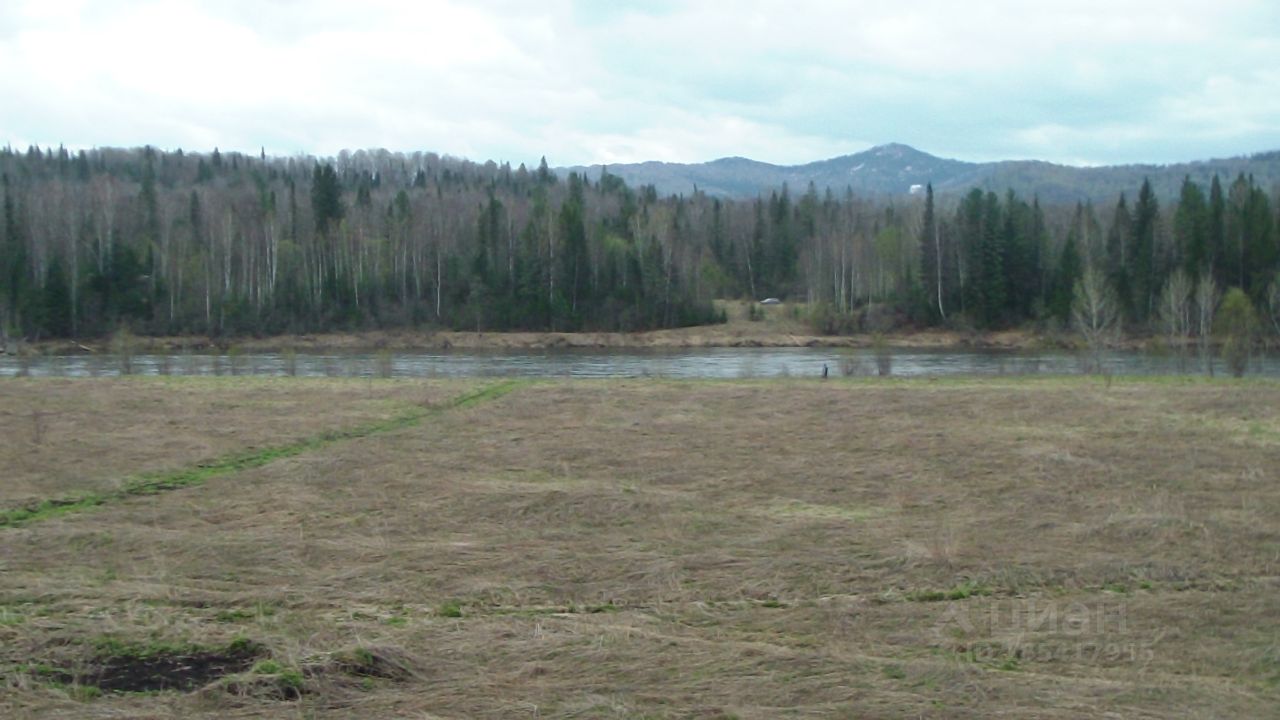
x=1073, y=81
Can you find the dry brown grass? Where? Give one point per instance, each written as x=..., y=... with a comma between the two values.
x=1038, y=547
x=63, y=434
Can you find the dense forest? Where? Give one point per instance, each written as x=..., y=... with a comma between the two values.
x=229, y=243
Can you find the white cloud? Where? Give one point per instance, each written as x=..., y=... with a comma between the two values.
x=679, y=136
x=779, y=81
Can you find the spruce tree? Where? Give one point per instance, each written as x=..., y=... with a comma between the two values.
x=1142, y=253
x=969, y=221
x=56, y=300
x=1118, y=255
x=931, y=257
x=1069, y=271
x=1217, y=251
x=13, y=261
x=1191, y=229
x=326, y=197
x=993, y=281
x=1260, y=249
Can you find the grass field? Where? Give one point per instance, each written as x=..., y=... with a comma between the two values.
x=1037, y=547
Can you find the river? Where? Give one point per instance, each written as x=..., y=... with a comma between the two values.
x=599, y=363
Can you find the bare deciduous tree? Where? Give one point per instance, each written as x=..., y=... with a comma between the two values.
x=1207, y=297
x=1175, y=313
x=1095, y=310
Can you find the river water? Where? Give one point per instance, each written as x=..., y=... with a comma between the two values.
x=597, y=363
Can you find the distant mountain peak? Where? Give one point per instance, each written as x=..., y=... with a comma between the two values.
x=894, y=168
x=893, y=147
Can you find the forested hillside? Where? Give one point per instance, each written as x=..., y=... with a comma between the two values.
x=226, y=243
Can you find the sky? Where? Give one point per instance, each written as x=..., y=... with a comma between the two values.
x=1083, y=82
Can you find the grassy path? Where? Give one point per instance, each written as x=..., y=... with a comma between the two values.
x=164, y=481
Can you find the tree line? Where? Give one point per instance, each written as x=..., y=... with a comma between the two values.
x=231, y=243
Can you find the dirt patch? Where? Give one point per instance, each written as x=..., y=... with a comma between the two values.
x=166, y=672
x=114, y=667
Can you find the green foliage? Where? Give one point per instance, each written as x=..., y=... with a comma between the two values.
x=1237, y=326
x=1000, y=245
x=1273, y=304
x=292, y=679
x=962, y=591
x=326, y=198
x=1191, y=229
x=57, y=306
x=1070, y=268
x=1140, y=263
x=266, y=667
x=233, y=615
x=84, y=693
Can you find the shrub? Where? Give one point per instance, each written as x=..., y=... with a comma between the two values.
x=1237, y=325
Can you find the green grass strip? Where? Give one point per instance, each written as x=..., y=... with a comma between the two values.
x=155, y=483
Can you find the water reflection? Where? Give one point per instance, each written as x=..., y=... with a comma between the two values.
x=664, y=363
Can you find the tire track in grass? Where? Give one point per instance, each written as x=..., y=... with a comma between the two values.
x=154, y=483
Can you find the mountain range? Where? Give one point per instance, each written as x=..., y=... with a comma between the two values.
x=893, y=169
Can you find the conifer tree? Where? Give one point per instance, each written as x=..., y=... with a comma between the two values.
x=993, y=281
x=1191, y=229
x=1118, y=270
x=1068, y=274
x=1217, y=250
x=931, y=256
x=326, y=197
x=1142, y=259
